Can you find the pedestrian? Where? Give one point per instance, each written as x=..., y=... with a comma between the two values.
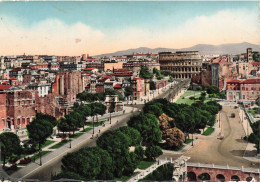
x=117, y=121
x=99, y=131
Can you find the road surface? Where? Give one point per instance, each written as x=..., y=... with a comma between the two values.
x=211, y=150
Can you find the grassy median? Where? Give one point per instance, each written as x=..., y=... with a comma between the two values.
x=208, y=131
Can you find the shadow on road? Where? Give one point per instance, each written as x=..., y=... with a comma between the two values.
x=241, y=153
x=240, y=140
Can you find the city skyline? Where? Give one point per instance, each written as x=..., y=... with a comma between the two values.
x=73, y=28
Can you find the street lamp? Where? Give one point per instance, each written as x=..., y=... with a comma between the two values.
x=110, y=117
x=192, y=139
x=93, y=125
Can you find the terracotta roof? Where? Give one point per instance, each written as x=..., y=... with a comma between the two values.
x=251, y=81
x=233, y=81
x=118, y=86
x=137, y=79
x=16, y=69
x=88, y=69
x=256, y=63
x=4, y=87
x=12, y=78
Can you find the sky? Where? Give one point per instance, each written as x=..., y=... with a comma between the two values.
x=76, y=28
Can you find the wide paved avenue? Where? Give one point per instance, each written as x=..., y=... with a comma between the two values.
x=211, y=150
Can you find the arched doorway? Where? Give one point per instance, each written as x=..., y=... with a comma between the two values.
x=235, y=178
x=191, y=176
x=204, y=176
x=220, y=177
x=249, y=178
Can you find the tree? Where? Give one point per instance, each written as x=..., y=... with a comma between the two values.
x=153, y=109
x=67, y=175
x=212, y=90
x=10, y=145
x=131, y=133
x=74, y=120
x=152, y=85
x=97, y=108
x=139, y=152
x=130, y=164
x=84, y=111
x=165, y=72
x=47, y=117
x=152, y=152
x=148, y=126
x=128, y=91
x=86, y=162
x=116, y=144
x=145, y=73
x=256, y=56
x=39, y=130
x=63, y=126
x=221, y=95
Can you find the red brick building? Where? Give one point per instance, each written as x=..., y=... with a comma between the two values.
x=17, y=108
x=67, y=85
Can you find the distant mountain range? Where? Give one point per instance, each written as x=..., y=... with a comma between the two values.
x=204, y=49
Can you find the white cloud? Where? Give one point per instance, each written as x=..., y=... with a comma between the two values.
x=223, y=27
x=48, y=37
x=55, y=37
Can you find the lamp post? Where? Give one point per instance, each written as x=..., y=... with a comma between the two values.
x=93, y=125
x=110, y=117
x=192, y=139
x=40, y=155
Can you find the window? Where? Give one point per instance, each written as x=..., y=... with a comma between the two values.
x=243, y=96
x=243, y=88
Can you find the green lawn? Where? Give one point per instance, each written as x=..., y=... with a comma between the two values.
x=145, y=164
x=208, y=131
x=191, y=93
x=189, y=101
x=125, y=178
x=254, y=111
x=46, y=143
x=96, y=123
x=58, y=145
x=87, y=129
x=188, y=141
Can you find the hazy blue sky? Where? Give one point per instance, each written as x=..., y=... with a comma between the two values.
x=74, y=28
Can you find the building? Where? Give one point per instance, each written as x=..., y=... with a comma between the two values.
x=233, y=90
x=138, y=87
x=182, y=64
x=243, y=91
x=17, y=108
x=250, y=90
x=113, y=65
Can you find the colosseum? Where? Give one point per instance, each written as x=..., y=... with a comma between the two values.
x=182, y=64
